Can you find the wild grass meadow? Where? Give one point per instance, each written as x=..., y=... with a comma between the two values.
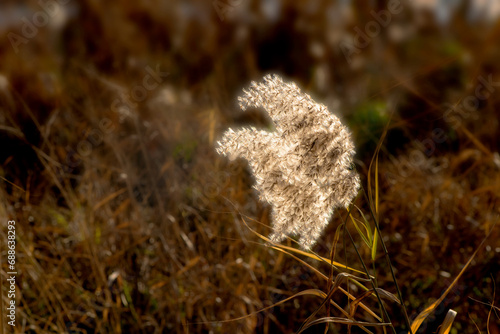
x=127, y=220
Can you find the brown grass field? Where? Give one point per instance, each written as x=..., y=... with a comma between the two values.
x=128, y=221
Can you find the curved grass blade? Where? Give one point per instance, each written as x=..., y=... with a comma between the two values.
x=448, y=321
x=353, y=278
x=313, y=292
x=310, y=292
x=301, y=252
x=425, y=313
x=366, y=239
x=383, y=293
x=344, y=321
x=375, y=160
x=342, y=277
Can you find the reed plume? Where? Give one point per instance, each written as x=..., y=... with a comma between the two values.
x=304, y=169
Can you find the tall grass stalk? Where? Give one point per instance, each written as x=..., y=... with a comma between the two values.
x=304, y=169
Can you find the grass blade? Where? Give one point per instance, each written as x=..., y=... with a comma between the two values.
x=448, y=321
x=425, y=313
x=374, y=245
x=298, y=251
x=366, y=239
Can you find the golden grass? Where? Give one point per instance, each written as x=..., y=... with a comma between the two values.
x=144, y=233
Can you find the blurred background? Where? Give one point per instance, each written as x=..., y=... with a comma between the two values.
x=128, y=221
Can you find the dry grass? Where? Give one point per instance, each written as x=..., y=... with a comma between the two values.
x=141, y=231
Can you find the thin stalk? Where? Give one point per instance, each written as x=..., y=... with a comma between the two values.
x=376, y=284
x=388, y=259
x=345, y=259
x=385, y=315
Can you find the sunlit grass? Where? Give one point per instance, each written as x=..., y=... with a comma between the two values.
x=146, y=232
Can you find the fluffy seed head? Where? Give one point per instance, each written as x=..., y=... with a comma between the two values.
x=304, y=169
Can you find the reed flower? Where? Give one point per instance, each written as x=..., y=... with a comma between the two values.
x=304, y=169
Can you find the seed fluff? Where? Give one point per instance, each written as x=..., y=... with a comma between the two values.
x=304, y=169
